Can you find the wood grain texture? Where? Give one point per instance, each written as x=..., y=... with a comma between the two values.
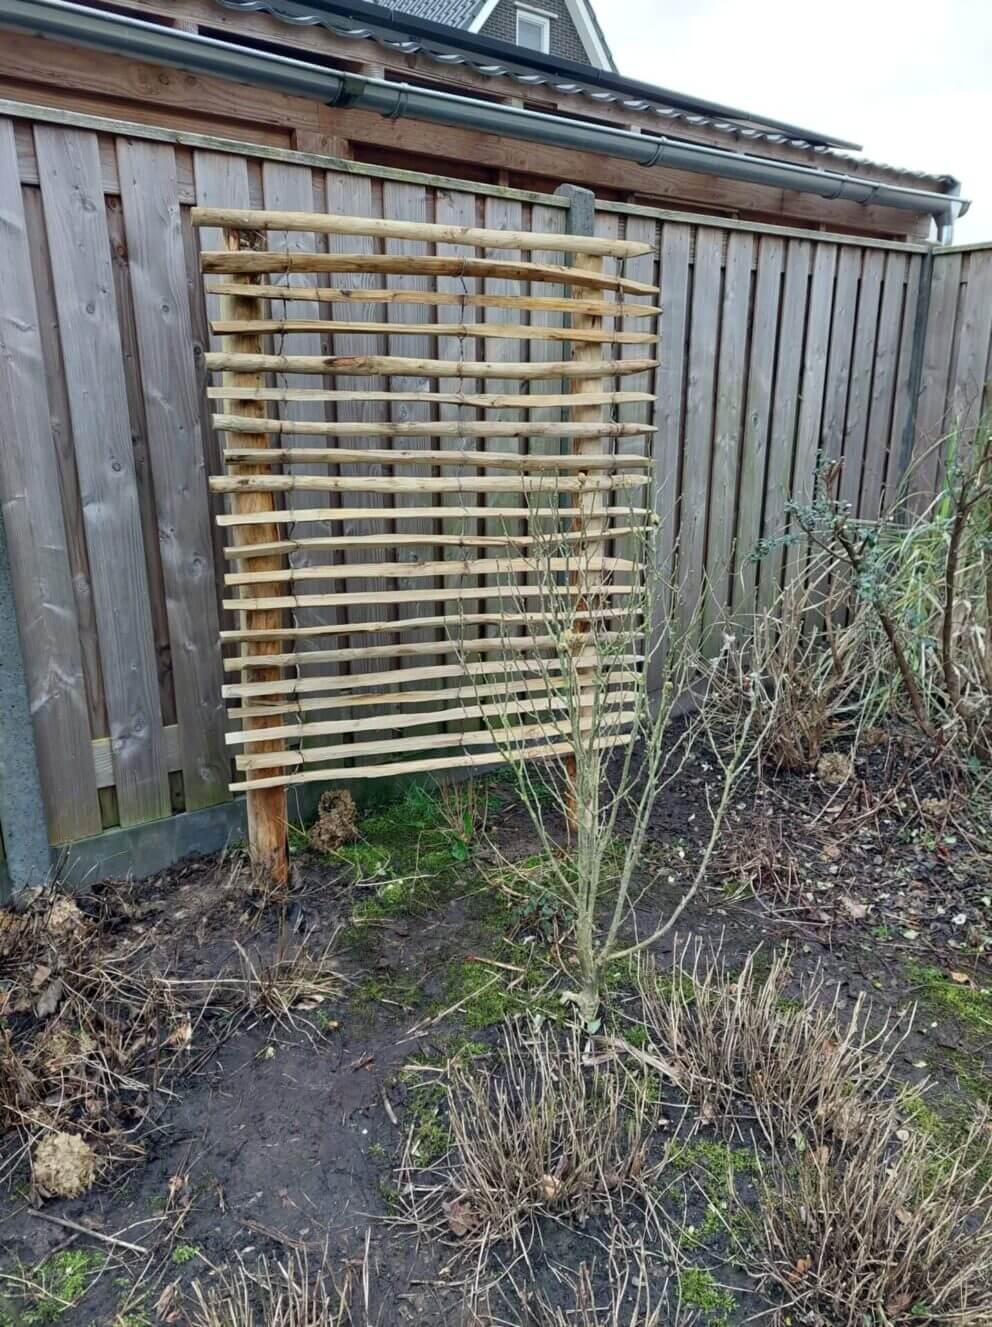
x=859, y=390
x=36, y=537
x=79, y=244
x=399, y=228
x=757, y=421
x=727, y=428
x=168, y=377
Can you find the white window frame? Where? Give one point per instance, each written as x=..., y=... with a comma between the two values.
x=541, y=20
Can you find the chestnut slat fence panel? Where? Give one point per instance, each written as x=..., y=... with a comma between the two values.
x=777, y=346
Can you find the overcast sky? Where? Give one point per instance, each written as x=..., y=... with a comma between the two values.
x=911, y=80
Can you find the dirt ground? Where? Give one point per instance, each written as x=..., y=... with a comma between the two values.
x=268, y=1117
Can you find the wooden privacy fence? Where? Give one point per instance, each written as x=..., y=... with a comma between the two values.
x=775, y=344
x=472, y=514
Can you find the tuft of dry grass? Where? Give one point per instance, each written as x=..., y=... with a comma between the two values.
x=869, y=1232
x=624, y=1293
x=92, y=1035
x=285, y=1294
x=739, y=1049
x=545, y=1132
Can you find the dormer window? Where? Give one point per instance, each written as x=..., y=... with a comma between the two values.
x=533, y=30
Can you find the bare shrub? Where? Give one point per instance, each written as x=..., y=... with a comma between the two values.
x=603, y=734
x=547, y=1132
x=809, y=672
x=739, y=1049
x=867, y=1233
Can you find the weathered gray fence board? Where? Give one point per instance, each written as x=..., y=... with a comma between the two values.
x=883, y=387
x=931, y=416
x=168, y=378
x=32, y=514
x=71, y=185
x=731, y=377
x=862, y=365
x=967, y=399
x=905, y=393
x=701, y=385
x=757, y=419
x=785, y=412
x=811, y=389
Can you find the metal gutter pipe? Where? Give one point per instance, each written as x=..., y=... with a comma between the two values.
x=122, y=35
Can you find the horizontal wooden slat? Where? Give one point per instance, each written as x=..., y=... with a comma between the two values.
x=501, y=331
x=451, y=429
x=533, y=732
x=398, y=366
x=477, y=400
x=513, y=592
x=434, y=298
x=398, y=722
x=391, y=699
x=220, y=261
x=400, y=540
x=397, y=768
x=404, y=650
x=414, y=570
x=396, y=626
x=547, y=484
x=295, y=516
x=299, y=686
x=382, y=228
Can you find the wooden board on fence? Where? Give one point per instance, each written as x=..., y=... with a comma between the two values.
x=36, y=536
x=69, y=164
x=164, y=331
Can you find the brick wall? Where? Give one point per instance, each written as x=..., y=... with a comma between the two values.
x=502, y=23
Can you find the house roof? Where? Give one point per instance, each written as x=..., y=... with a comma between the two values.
x=456, y=13
x=402, y=26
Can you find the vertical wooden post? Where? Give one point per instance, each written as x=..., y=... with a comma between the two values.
x=591, y=517
x=267, y=818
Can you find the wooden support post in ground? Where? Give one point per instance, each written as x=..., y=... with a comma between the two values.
x=591, y=519
x=267, y=818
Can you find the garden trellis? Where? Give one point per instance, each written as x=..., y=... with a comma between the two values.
x=430, y=542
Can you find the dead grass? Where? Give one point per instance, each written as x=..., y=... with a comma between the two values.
x=741, y=1050
x=94, y=1034
x=544, y=1132
x=866, y=1232
x=290, y=1293
x=625, y=1292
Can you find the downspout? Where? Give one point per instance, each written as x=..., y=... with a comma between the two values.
x=205, y=55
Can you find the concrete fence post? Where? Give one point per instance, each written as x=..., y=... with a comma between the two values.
x=26, y=855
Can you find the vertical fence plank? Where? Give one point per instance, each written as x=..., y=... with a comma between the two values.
x=727, y=429
x=150, y=197
x=905, y=386
x=36, y=537
x=502, y=214
x=931, y=415
x=354, y=195
x=704, y=333
x=675, y=243
x=408, y=202
x=811, y=391
x=644, y=269
x=785, y=412
x=862, y=364
x=69, y=165
x=883, y=387
x=458, y=209
x=969, y=380
x=757, y=419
